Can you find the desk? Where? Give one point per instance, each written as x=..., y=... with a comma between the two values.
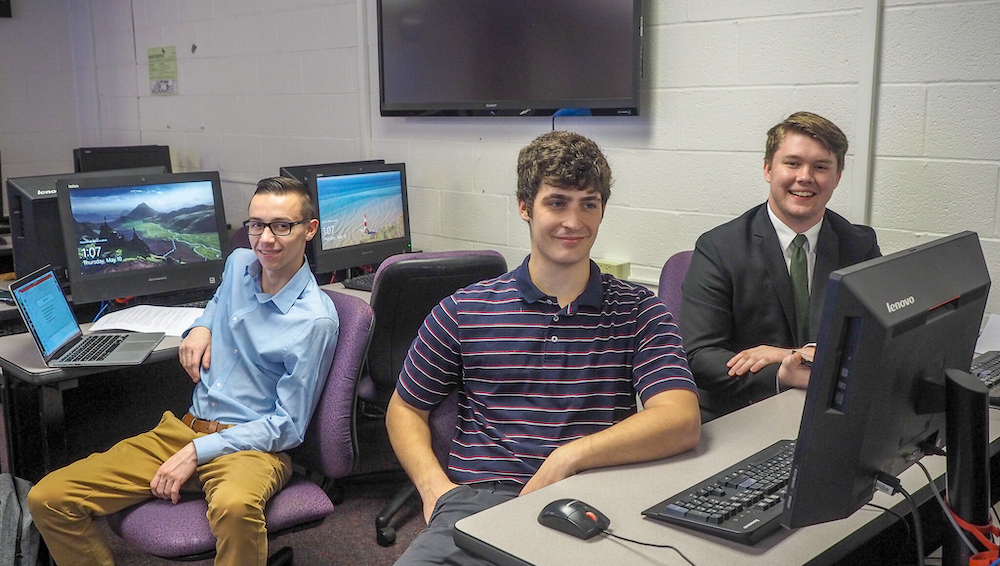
x=509, y=534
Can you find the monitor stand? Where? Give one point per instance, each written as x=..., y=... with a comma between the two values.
x=967, y=425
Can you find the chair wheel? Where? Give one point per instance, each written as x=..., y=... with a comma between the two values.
x=386, y=536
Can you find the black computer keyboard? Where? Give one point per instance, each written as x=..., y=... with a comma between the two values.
x=986, y=366
x=362, y=282
x=742, y=503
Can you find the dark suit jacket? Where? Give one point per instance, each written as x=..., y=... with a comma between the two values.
x=738, y=294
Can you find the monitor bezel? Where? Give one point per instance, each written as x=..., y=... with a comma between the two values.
x=145, y=282
x=329, y=261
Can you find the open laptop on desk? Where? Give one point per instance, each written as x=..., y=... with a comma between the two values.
x=59, y=338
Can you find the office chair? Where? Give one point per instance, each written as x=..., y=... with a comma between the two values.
x=671, y=279
x=181, y=531
x=405, y=289
x=239, y=239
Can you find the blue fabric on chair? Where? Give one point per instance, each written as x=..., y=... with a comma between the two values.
x=181, y=531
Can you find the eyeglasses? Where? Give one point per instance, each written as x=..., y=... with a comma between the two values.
x=278, y=227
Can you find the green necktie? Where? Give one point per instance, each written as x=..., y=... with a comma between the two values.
x=800, y=288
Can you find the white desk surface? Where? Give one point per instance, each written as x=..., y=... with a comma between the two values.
x=622, y=493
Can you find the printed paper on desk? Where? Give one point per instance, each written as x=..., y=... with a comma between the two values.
x=149, y=318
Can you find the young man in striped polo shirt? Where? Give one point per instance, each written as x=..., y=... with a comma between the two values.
x=548, y=358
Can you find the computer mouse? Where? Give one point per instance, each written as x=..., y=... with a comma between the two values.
x=574, y=517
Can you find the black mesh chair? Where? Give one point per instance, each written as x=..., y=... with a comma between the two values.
x=406, y=288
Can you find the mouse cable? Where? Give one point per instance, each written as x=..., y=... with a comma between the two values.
x=948, y=513
x=895, y=487
x=902, y=519
x=674, y=548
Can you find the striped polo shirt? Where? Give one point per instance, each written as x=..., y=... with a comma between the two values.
x=536, y=375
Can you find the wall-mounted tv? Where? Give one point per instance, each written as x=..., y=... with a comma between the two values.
x=509, y=57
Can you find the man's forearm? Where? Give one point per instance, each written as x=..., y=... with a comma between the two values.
x=410, y=436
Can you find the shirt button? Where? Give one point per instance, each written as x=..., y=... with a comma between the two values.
x=235, y=351
x=218, y=385
x=213, y=403
x=554, y=339
x=234, y=319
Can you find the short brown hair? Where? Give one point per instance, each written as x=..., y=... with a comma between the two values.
x=812, y=125
x=562, y=159
x=287, y=185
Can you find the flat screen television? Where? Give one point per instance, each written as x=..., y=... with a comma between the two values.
x=510, y=57
x=120, y=157
x=363, y=215
x=890, y=328
x=35, y=231
x=139, y=236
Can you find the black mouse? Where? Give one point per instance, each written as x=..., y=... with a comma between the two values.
x=574, y=517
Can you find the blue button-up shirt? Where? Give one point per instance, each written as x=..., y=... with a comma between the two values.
x=270, y=358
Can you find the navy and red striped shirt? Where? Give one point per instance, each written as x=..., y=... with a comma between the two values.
x=536, y=376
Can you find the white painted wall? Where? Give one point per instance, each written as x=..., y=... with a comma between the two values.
x=265, y=84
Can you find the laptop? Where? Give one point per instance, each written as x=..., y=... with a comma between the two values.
x=49, y=318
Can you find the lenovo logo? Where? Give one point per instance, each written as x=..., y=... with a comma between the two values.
x=154, y=279
x=893, y=307
x=45, y=192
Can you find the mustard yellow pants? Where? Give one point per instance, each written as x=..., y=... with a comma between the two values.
x=237, y=486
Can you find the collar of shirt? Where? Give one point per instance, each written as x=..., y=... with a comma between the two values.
x=592, y=296
x=285, y=298
x=786, y=234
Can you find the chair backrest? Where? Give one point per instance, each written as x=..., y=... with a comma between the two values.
x=239, y=239
x=406, y=288
x=671, y=279
x=330, y=445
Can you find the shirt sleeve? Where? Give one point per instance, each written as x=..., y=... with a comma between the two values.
x=659, y=363
x=433, y=366
x=297, y=390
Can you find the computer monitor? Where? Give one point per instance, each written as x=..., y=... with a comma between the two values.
x=363, y=215
x=120, y=157
x=890, y=328
x=139, y=236
x=35, y=232
x=302, y=173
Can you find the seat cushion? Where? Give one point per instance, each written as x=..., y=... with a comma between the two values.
x=161, y=528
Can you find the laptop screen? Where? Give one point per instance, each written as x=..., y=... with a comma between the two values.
x=46, y=312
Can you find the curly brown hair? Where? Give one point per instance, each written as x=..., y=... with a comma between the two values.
x=565, y=160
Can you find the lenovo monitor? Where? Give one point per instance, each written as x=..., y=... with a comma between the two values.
x=35, y=231
x=302, y=173
x=363, y=215
x=140, y=236
x=890, y=328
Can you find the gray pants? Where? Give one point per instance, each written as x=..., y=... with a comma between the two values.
x=435, y=545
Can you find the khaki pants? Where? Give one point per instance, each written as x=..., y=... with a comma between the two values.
x=237, y=486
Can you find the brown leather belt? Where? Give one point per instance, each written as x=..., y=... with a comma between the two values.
x=199, y=425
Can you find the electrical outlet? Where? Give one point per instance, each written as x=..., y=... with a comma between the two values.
x=619, y=269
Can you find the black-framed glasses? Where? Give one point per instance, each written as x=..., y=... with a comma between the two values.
x=278, y=227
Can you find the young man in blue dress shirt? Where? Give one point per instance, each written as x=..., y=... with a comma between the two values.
x=259, y=356
x=548, y=361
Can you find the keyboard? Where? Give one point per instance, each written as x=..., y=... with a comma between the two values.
x=361, y=282
x=742, y=503
x=986, y=366
x=94, y=348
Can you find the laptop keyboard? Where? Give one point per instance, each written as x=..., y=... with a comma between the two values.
x=95, y=347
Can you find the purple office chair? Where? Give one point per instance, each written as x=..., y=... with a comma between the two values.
x=405, y=289
x=671, y=278
x=181, y=532
x=239, y=239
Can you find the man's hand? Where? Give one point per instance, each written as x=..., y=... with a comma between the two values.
x=755, y=359
x=793, y=372
x=558, y=466
x=195, y=352
x=430, y=499
x=174, y=473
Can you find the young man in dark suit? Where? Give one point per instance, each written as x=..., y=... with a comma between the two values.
x=755, y=287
